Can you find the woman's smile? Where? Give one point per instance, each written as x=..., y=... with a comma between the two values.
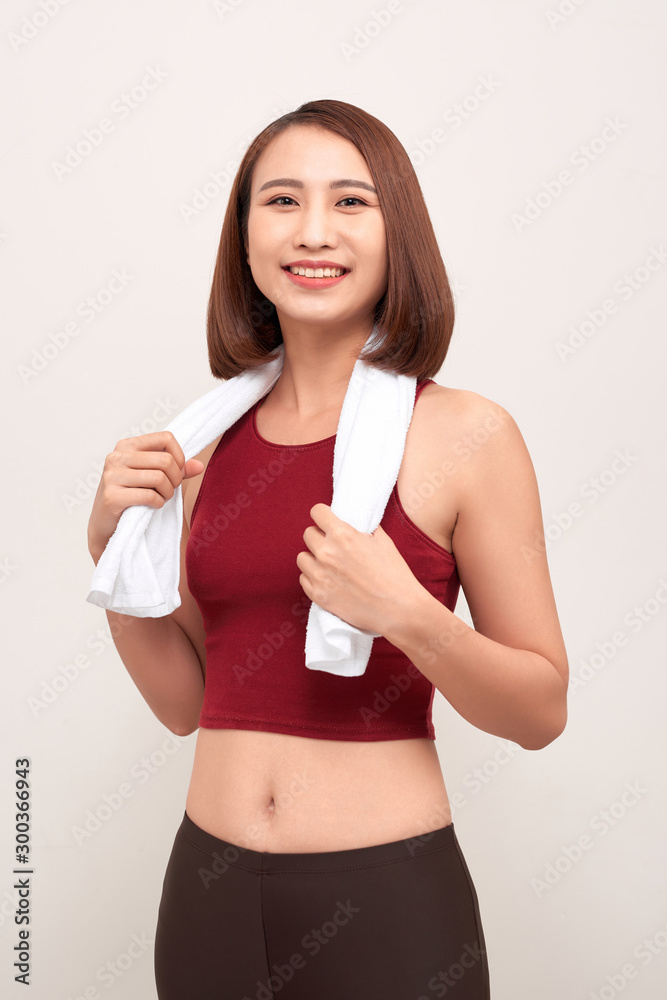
x=315, y=277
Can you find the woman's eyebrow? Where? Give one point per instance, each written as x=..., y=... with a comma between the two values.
x=292, y=182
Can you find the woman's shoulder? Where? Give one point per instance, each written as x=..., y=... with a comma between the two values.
x=474, y=436
x=460, y=421
x=464, y=405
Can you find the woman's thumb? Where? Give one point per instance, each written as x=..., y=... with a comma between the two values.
x=193, y=467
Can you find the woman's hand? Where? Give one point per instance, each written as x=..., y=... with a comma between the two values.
x=361, y=578
x=140, y=470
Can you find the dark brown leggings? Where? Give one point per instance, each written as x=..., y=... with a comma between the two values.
x=395, y=921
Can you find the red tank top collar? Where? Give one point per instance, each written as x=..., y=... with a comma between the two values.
x=308, y=444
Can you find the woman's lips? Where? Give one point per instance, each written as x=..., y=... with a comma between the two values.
x=304, y=282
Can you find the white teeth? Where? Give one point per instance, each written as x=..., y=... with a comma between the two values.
x=318, y=272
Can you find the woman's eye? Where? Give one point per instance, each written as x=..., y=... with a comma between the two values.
x=286, y=197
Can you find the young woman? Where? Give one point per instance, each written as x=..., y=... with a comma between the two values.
x=317, y=858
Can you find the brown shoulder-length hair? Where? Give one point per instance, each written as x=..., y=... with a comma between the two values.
x=415, y=316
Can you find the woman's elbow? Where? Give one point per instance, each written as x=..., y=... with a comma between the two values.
x=547, y=734
x=183, y=730
x=182, y=725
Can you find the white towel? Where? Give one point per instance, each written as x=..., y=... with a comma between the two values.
x=138, y=572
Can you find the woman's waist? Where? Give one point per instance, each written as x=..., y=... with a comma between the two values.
x=290, y=792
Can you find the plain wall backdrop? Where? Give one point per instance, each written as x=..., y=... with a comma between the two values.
x=537, y=131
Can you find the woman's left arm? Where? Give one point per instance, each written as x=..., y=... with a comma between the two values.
x=509, y=674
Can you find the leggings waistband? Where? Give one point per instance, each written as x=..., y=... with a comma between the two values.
x=232, y=855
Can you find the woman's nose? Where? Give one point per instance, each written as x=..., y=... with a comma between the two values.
x=315, y=227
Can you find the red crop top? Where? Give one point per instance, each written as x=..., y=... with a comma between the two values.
x=246, y=531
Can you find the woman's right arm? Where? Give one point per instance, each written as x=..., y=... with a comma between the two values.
x=165, y=657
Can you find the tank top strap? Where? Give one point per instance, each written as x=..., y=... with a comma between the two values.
x=421, y=385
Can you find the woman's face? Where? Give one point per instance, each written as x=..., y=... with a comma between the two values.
x=302, y=220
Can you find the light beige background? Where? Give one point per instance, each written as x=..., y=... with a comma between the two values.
x=536, y=85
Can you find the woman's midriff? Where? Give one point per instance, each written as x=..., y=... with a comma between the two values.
x=278, y=793
x=282, y=794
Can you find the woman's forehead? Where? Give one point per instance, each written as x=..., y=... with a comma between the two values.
x=314, y=155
